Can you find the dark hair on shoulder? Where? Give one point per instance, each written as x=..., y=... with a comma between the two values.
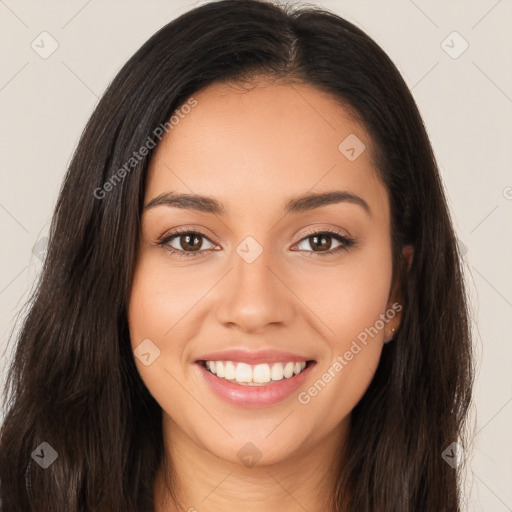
x=73, y=382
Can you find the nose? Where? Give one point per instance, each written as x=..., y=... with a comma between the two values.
x=254, y=296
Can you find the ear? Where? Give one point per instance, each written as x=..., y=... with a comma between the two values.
x=408, y=254
x=395, y=296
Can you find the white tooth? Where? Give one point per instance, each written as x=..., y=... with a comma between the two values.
x=229, y=370
x=288, y=370
x=243, y=372
x=277, y=371
x=220, y=369
x=261, y=373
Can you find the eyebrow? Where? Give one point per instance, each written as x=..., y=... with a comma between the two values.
x=299, y=204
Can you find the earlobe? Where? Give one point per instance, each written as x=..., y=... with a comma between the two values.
x=393, y=325
x=391, y=328
x=408, y=253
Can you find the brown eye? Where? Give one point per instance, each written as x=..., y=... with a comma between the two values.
x=188, y=242
x=191, y=242
x=321, y=242
x=185, y=243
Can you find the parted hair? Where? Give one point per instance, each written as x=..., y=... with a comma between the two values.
x=72, y=381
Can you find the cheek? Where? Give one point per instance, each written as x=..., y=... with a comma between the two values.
x=144, y=312
x=349, y=297
x=361, y=298
x=166, y=308
x=154, y=314
x=160, y=300
x=351, y=300
x=151, y=316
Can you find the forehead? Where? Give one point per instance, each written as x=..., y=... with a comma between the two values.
x=242, y=143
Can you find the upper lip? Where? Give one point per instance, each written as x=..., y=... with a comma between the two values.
x=260, y=357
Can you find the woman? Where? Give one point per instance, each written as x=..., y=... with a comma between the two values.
x=252, y=296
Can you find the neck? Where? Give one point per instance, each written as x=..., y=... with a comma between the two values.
x=303, y=481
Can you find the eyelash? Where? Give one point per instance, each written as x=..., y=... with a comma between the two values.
x=346, y=241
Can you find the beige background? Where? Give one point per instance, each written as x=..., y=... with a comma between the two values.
x=466, y=103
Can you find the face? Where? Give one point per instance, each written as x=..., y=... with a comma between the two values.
x=258, y=268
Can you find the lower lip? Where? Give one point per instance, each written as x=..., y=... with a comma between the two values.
x=254, y=396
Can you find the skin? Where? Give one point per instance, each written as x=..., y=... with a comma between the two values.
x=254, y=149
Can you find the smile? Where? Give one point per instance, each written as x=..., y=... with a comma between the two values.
x=262, y=385
x=256, y=375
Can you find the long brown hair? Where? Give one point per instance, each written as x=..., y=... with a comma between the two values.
x=73, y=382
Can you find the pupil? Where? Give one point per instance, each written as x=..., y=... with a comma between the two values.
x=193, y=247
x=323, y=238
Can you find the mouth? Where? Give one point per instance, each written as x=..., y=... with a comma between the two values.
x=256, y=386
x=262, y=374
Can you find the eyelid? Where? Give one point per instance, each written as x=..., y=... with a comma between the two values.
x=308, y=232
x=320, y=228
x=188, y=229
x=343, y=236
